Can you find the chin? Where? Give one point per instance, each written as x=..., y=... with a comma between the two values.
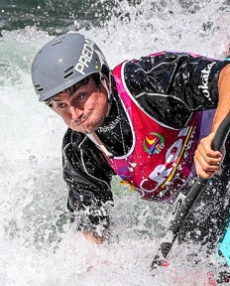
x=95, y=126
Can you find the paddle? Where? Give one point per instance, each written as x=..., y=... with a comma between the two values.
x=186, y=199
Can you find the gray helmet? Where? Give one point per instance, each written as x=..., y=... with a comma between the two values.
x=63, y=62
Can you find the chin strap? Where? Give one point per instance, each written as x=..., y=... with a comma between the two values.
x=108, y=89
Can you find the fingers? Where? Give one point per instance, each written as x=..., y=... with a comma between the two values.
x=206, y=170
x=207, y=162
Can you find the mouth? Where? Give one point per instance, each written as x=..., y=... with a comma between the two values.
x=81, y=120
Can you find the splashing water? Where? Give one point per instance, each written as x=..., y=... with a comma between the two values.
x=38, y=246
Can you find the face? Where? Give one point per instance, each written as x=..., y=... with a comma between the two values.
x=82, y=107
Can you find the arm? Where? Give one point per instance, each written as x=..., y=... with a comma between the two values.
x=224, y=97
x=174, y=85
x=89, y=193
x=207, y=161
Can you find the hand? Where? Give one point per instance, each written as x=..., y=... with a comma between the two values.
x=94, y=237
x=98, y=240
x=207, y=161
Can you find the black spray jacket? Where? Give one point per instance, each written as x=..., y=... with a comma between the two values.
x=167, y=85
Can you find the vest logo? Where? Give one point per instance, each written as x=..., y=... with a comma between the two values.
x=111, y=126
x=173, y=167
x=153, y=143
x=204, y=79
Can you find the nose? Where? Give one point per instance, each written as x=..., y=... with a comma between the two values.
x=76, y=113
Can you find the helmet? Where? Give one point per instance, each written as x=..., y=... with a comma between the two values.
x=63, y=62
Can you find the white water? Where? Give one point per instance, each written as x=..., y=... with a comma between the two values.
x=37, y=244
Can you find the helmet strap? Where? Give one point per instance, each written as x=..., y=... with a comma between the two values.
x=108, y=89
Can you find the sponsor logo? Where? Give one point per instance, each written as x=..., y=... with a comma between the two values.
x=163, y=174
x=111, y=126
x=153, y=143
x=85, y=58
x=204, y=79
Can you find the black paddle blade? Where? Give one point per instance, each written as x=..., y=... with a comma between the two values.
x=160, y=258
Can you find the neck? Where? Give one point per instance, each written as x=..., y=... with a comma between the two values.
x=115, y=132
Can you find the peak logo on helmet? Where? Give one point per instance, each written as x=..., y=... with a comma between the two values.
x=85, y=57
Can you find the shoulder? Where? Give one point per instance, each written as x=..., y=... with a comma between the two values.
x=170, y=57
x=162, y=61
x=164, y=56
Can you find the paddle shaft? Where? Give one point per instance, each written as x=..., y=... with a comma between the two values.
x=185, y=200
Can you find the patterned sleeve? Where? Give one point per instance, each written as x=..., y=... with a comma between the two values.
x=173, y=85
x=88, y=177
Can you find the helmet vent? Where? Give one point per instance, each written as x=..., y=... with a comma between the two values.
x=39, y=88
x=58, y=42
x=68, y=72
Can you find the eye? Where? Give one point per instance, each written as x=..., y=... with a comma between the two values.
x=80, y=96
x=61, y=105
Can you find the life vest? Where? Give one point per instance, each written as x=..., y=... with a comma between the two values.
x=160, y=160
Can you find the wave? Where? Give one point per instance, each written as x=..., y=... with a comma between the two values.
x=38, y=245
